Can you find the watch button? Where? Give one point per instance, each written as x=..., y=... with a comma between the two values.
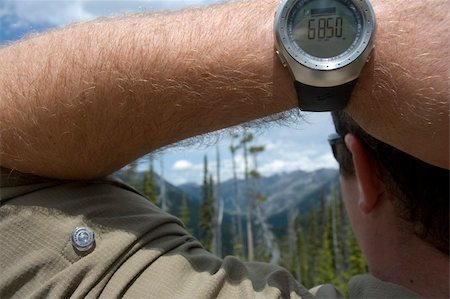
x=370, y=55
x=283, y=62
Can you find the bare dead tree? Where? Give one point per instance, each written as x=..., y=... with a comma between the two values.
x=237, y=198
x=218, y=211
x=248, y=137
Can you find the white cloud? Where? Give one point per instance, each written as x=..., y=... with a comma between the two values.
x=305, y=160
x=284, y=159
x=273, y=167
x=182, y=165
x=63, y=12
x=184, y=171
x=303, y=148
x=51, y=13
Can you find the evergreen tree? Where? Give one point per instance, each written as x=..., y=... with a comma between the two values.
x=184, y=213
x=149, y=184
x=302, y=262
x=322, y=217
x=325, y=260
x=207, y=208
x=343, y=231
x=313, y=247
x=356, y=262
x=292, y=235
x=162, y=187
x=337, y=242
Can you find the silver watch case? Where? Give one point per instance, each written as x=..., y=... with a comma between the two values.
x=324, y=72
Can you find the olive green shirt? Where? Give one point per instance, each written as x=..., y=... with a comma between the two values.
x=139, y=251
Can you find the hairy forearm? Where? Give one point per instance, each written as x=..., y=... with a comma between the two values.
x=84, y=101
x=81, y=102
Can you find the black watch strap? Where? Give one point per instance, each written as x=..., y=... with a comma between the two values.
x=319, y=99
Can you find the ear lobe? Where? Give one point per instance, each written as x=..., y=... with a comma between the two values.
x=366, y=172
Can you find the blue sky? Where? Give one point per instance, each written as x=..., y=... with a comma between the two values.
x=288, y=147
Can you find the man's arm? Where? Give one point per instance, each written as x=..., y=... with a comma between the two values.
x=83, y=101
x=86, y=100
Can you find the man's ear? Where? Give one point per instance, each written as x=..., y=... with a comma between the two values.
x=367, y=174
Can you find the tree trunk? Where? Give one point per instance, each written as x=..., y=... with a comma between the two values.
x=237, y=202
x=250, y=243
x=218, y=212
x=268, y=237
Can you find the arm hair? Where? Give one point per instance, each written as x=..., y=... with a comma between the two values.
x=84, y=101
x=403, y=95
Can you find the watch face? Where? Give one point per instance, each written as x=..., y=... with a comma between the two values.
x=326, y=34
x=325, y=28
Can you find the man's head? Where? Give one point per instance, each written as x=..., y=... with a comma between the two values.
x=372, y=170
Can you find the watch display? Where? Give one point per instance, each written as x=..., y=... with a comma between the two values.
x=325, y=28
x=325, y=34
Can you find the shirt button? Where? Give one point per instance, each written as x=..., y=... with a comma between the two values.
x=82, y=238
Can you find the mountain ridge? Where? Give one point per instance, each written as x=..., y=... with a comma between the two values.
x=281, y=191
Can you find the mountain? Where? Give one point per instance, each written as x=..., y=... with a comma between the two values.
x=299, y=190
x=282, y=191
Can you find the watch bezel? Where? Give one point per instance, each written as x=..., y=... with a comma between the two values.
x=318, y=71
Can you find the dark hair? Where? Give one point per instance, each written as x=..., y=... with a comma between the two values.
x=420, y=191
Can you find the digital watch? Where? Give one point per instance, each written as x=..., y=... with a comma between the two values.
x=325, y=44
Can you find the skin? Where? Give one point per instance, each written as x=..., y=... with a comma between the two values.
x=101, y=94
x=82, y=102
x=393, y=252
x=404, y=97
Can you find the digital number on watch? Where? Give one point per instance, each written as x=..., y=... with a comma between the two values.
x=325, y=34
x=324, y=29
